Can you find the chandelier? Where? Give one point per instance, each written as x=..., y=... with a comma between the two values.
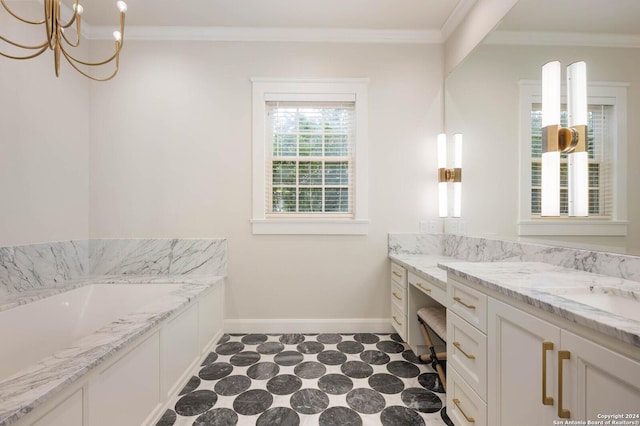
x=59, y=43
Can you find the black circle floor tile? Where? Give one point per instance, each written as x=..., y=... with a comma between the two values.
x=309, y=401
x=366, y=401
x=342, y=416
x=270, y=348
x=335, y=384
x=263, y=370
x=356, y=369
x=310, y=347
x=217, y=417
x=215, y=371
x=280, y=416
x=431, y=381
x=421, y=400
x=396, y=337
x=284, y=384
x=232, y=385
x=288, y=358
x=390, y=347
x=374, y=357
x=292, y=339
x=252, y=402
x=411, y=357
x=332, y=357
x=229, y=348
x=366, y=338
x=386, y=383
x=329, y=338
x=245, y=358
x=403, y=369
x=254, y=339
x=168, y=418
x=224, y=339
x=397, y=415
x=212, y=357
x=350, y=347
x=196, y=402
x=191, y=385
x=445, y=418
x=309, y=370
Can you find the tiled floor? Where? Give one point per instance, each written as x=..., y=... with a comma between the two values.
x=310, y=379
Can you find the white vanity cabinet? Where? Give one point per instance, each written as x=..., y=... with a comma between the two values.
x=399, y=299
x=539, y=372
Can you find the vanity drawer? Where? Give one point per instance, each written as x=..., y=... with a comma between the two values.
x=467, y=353
x=430, y=289
x=399, y=321
x=398, y=274
x=464, y=406
x=469, y=304
x=399, y=296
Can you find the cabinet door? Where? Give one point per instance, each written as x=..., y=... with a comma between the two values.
x=520, y=349
x=598, y=381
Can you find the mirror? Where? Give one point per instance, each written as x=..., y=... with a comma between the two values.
x=482, y=102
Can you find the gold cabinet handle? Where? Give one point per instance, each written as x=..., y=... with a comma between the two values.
x=457, y=345
x=397, y=274
x=396, y=296
x=396, y=320
x=546, y=346
x=457, y=299
x=467, y=418
x=563, y=413
x=423, y=288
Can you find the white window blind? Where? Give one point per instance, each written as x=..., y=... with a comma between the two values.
x=600, y=149
x=310, y=159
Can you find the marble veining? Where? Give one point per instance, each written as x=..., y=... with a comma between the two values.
x=27, y=389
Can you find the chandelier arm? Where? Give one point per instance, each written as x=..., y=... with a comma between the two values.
x=71, y=60
x=92, y=64
x=18, y=17
x=49, y=17
x=38, y=53
x=74, y=44
x=73, y=18
x=40, y=46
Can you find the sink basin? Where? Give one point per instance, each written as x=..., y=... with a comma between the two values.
x=618, y=301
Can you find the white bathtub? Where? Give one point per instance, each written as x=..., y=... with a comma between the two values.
x=77, y=358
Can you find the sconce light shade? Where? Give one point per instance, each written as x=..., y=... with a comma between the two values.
x=550, y=202
x=578, y=159
x=457, y=165
x=442, y=185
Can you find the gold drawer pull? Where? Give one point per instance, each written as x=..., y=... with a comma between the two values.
x=397, y=274
x=396, y=320
x=396, y=296
x=563, y=413
x=546, y=346
x=467, y=418
x=457, y=299
x=457, y=345
x=424, y=288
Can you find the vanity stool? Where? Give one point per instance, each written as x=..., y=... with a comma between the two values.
x=434, y=318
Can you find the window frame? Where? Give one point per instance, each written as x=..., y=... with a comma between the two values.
x=616, y=225
x=270, y=89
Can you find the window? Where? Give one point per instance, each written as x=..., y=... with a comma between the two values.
x=309, y=156
x=606, y=141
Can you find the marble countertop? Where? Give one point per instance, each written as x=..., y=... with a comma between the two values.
x=27, y=389
x=425, y=266
x=549, y=287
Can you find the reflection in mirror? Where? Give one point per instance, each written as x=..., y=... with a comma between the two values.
x=483, y=101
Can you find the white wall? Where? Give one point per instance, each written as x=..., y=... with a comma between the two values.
x=171, y=157
x=44, y=133
x=482, y=102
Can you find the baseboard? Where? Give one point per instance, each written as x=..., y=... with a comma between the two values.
x=341, y=325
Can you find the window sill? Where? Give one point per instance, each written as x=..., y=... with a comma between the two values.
x=310, y=227
x=573, y=227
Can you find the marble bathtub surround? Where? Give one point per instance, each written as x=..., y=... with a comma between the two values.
x=48, y=265
x=29, y=388
x=324, y=379
x=477, y=249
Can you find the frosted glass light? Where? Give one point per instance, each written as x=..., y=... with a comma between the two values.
x=577, y=94
x=550, y=184
x=122, y=6
x=457, y=150
x=117, y=36
x=78, y=9
x=551, y=93
x=578, y=183
x=442, y=199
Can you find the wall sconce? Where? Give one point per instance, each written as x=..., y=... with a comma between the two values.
x=449, y=175
x=571, y=139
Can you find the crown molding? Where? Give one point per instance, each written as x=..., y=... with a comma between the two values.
x=457, y=16
x=308, y=35
x=539, y=38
